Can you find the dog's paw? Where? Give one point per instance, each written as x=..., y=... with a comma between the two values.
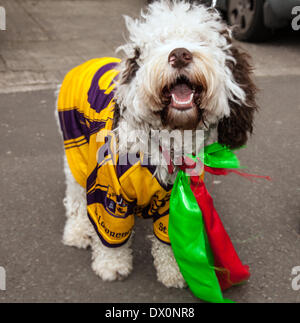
x=166, y=266
x=170, y=276
x=76, y=234
x=111, y=263
x=111, y=272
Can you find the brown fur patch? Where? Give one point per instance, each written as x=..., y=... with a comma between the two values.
x=131, y=67
x=233, y=130
x=117, y=115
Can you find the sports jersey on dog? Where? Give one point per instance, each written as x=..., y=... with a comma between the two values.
x=115, y=192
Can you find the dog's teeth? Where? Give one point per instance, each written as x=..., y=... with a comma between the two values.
x=183, y=102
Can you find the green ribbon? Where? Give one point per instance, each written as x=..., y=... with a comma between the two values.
x=217, y=156
x=190, y=243
x=187, y=231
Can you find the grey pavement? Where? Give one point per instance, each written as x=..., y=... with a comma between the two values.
x=44, y=39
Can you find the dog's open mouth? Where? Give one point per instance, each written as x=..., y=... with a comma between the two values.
x=182, y=104
x=181, y=94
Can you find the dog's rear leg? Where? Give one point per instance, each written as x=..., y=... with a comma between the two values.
x=78, y=229
x=111, y=263
x=166, y=266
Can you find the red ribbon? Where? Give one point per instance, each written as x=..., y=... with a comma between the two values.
x=229, y=268
x=224, y=171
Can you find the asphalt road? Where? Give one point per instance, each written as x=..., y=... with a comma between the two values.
x=262, y=217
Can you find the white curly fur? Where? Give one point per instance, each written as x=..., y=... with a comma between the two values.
x=164, y=27
x=167, y=26
x=167, y=269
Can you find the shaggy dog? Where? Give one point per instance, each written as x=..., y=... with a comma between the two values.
x=181, y=72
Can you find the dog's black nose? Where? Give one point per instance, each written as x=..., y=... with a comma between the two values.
x=180, y=57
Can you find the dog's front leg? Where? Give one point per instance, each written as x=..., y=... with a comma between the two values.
x=166, y=266
x=78, y=228
x=111, y=263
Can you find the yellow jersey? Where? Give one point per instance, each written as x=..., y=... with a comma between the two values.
x=115, y=192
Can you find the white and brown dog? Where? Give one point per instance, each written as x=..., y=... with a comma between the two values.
x=181, y=72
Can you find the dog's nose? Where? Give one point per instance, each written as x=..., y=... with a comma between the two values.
x=180, y=57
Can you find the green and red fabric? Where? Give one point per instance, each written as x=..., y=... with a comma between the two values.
x=202, y=248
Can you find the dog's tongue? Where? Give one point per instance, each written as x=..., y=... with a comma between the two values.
x=182, y=96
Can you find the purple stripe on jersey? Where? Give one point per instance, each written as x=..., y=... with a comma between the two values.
x=96, y=97
x=73, y=125
x=92, y=179
x=96, y=196
x=77, y=145
x=158, y=216
x=126, y=161
x=95, y=126
x=123, y=163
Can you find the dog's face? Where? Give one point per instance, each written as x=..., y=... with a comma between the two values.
x=182, y=72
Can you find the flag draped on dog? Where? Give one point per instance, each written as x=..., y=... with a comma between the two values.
x=202, y=248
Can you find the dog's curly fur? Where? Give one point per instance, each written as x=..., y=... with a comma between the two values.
x=224, y=101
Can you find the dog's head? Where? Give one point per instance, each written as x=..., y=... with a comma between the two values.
x=182, y=72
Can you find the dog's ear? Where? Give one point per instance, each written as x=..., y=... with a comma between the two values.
x=131, y=67
x=233, y=130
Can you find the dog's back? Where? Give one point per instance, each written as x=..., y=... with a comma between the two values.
x=85, y=105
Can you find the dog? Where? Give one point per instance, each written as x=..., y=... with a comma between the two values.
x=181, y=72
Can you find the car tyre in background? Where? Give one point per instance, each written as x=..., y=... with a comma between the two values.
x=248, y=17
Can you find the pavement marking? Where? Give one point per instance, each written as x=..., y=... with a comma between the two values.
x=28, y=88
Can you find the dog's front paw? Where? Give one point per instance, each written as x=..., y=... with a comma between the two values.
x=111, y=263
x=108, y=271
x=169, y=275
x=77, y=233
x=166, y=266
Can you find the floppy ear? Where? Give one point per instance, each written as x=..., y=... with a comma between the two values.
x=131, y=67
x=233, y=130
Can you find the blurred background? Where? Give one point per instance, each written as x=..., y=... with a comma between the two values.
x=43, y=39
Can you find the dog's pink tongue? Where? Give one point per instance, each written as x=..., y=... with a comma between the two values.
x=182, y=96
